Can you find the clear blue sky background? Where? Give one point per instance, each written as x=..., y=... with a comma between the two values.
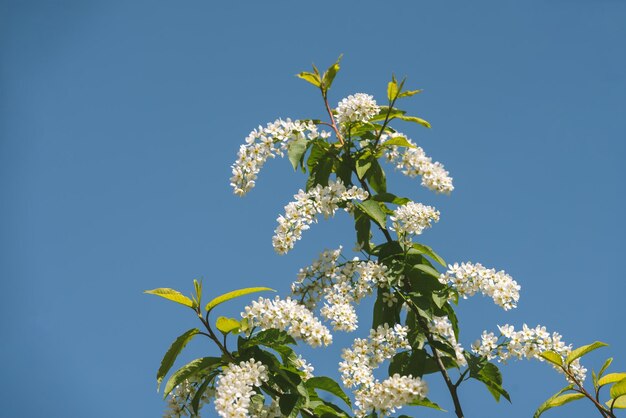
x=119, y=121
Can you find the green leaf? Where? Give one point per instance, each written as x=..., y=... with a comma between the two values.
x=611, y=378
x=392, y=90
x=553, y=357
x=605, y=366
x=363, y=164
x=329, y=385
x=489, y=374
x=234, y=294
x=618, y=389
x=619, y=403
x=414, y=119
x=399, y=141
x=330, y=74
x=171, y=294
x=311, y=78
x=288, y=402
x=270, y=338
x=557, y=400
x=428, y=269
x=426, y=403
x=296, y=150
x=195, y=402
x=362, y=225
x=409, y=93
x=581, y=351
x=373, y=210
x=425, y=249
x=173, y=352
x=226, y=325
x=390, y=198
x=189, y=370
x=376, y=177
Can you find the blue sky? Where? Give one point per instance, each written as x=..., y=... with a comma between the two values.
x=119, y=122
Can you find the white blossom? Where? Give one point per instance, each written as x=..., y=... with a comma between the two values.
x=414, y=162
x=527, y=343
x=441, y=328
x=234, y=388
x=180, y=397
x=302, y=212
x=389, y=395
x=469, y=278
x=264, y=143
x=359, y=107
x=289, y=316
x=305, y=367
x=412, y=218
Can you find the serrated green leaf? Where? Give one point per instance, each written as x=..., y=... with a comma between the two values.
x=611, y=378
x=427, y=269
x=226, y=325
x=295, y=151
x=605, y=366
x=376, y=177
x=425, y=402
x=329, y=385
x=311, y=78
x=581, y=351
x=425, y=249
x=557, y=400
x=390, y=198
x=415, y=119
x=399, y=141
x=171, y=294
x=373, y=210
x=288, y=403
x=619, y=403
x=189, y=370
x=618, y=389
x=553, y=357
x=363, y=164
x=173, y=352
x=234, y=294
x=409, y=93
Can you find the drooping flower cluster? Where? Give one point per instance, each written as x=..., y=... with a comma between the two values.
x=234, y=388
x=469, y=278
x=263, y=143
x=357, y=371
x=414, y=162
x=179, y=399
x=302, y=212
x=341, y=286
x=441, y=328
x=359, y=107
x=412, y=218
x=527, y=343
x=289, y=316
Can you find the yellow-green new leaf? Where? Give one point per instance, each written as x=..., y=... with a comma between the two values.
x=558, y=399
x=172, y=295
x=392, y=90
x=311, y=78
x=618, y=389
x=409, y=93
x=605, y=366
x=415, y=119
x=581, y=351
x=226, y=325
x=619, y=403
x=234, y=294
x=611, y=378
x=553, y=357
x=173, y=352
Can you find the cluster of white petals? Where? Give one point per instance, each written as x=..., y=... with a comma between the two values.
x=341, y=285
x=357, y=371
x=234, y=388
x=469, y=278
x=527, y=343
x=180, y=397
x=289, y=316
x=441, y=328
x=263, y=143
x=302, y=212
x=414, y=162
x=359, y=107
x=305, y=367
x=412, y=218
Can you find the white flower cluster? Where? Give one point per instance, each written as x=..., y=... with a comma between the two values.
x=302, y=212
x=414, y=162
x=234, y=388
x=263, y=143
x=289, y=316
x=527, y=343
x=442, y=330
x=179, y=398
x=412, y=218
x=341, y=286
x=359, y=107
x=357, y=370
x=469, y=278
x=304, y=366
